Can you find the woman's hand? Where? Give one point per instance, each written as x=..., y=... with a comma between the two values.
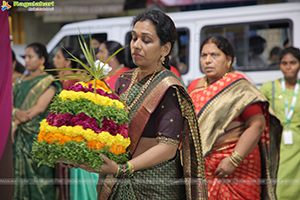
x=22, y=116
x=225, y=168
x=14, y=129
x=109, y=166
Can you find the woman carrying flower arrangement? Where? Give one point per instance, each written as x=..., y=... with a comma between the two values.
x=161, y=116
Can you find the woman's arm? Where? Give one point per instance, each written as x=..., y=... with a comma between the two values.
x=250, y=137
x=253, y=116
x=154, y=156
x=42, y=103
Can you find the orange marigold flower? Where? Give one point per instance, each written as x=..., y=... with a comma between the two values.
x=78, y=138
x=117, y=149
x=93, y=144
x=41, y=136
x=99, y=84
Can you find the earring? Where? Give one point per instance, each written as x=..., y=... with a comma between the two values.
x=228, y=66
x=162, y=60
x=42, y=67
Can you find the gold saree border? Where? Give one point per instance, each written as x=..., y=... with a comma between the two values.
x=36, y=91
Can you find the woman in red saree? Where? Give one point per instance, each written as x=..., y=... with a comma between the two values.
x=237, y=131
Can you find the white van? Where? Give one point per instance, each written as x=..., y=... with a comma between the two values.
x=273, y=24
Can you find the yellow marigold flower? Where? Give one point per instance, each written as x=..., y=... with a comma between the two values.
x=77, y=131
x=126, y=142
x=43, y=124
x=95, y=98
x=118, y=139
x=103, y=137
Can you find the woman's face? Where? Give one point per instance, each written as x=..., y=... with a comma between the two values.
x=145, y=45
x=102, y=52
x=32, y=60
x=214, y=62
x=289, y=66
x=95, y=43
x=59, y=60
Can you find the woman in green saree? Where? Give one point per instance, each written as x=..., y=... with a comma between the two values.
x=31, y=98
x=161, y=116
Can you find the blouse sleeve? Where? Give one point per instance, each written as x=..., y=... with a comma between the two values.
x=251, y=111
x=169, y=120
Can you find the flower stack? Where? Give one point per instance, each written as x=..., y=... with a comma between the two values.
x=86, y=120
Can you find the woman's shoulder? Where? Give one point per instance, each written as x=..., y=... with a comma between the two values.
x=269, y=84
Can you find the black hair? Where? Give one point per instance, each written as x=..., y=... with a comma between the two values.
x=41, y=51
x=164, y=26
x=66, y=53
x=18, y=68
x=286, y=42
x=112, y=47
x=275, y=51
x=292, y=50
x=98, y=37
x=257, y=44
x=223, y=44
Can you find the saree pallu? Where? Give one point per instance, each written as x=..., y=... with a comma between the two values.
x=187, y=182
x=31, y=181
x=217, y=107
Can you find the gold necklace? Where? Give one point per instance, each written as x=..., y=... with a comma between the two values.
x=206, y=80
x=134, y=80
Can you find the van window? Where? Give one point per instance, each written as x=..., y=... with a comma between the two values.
x=179, y=55
x=256, y=45
x=72, y=41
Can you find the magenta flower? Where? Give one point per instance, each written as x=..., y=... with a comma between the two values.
x=79, y=88
x=86, y=122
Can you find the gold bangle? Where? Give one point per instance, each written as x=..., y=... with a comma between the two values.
x=231, y=160
x=118, y=171
x=237, y=156
x=131, y=168
x=14, y=111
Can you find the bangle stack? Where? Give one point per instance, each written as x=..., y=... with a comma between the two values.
x=235, y=158
x=13, y=113
x=125, y=170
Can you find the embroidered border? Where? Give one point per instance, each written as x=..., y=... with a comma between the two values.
x=167, y=141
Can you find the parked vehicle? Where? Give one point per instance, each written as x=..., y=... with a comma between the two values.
x=254, y=31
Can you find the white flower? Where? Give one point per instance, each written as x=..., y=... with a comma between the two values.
x=106, y=68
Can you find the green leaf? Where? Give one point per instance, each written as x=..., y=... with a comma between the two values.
x=72, y=151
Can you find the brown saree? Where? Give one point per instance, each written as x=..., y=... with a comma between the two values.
x=167, y=180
